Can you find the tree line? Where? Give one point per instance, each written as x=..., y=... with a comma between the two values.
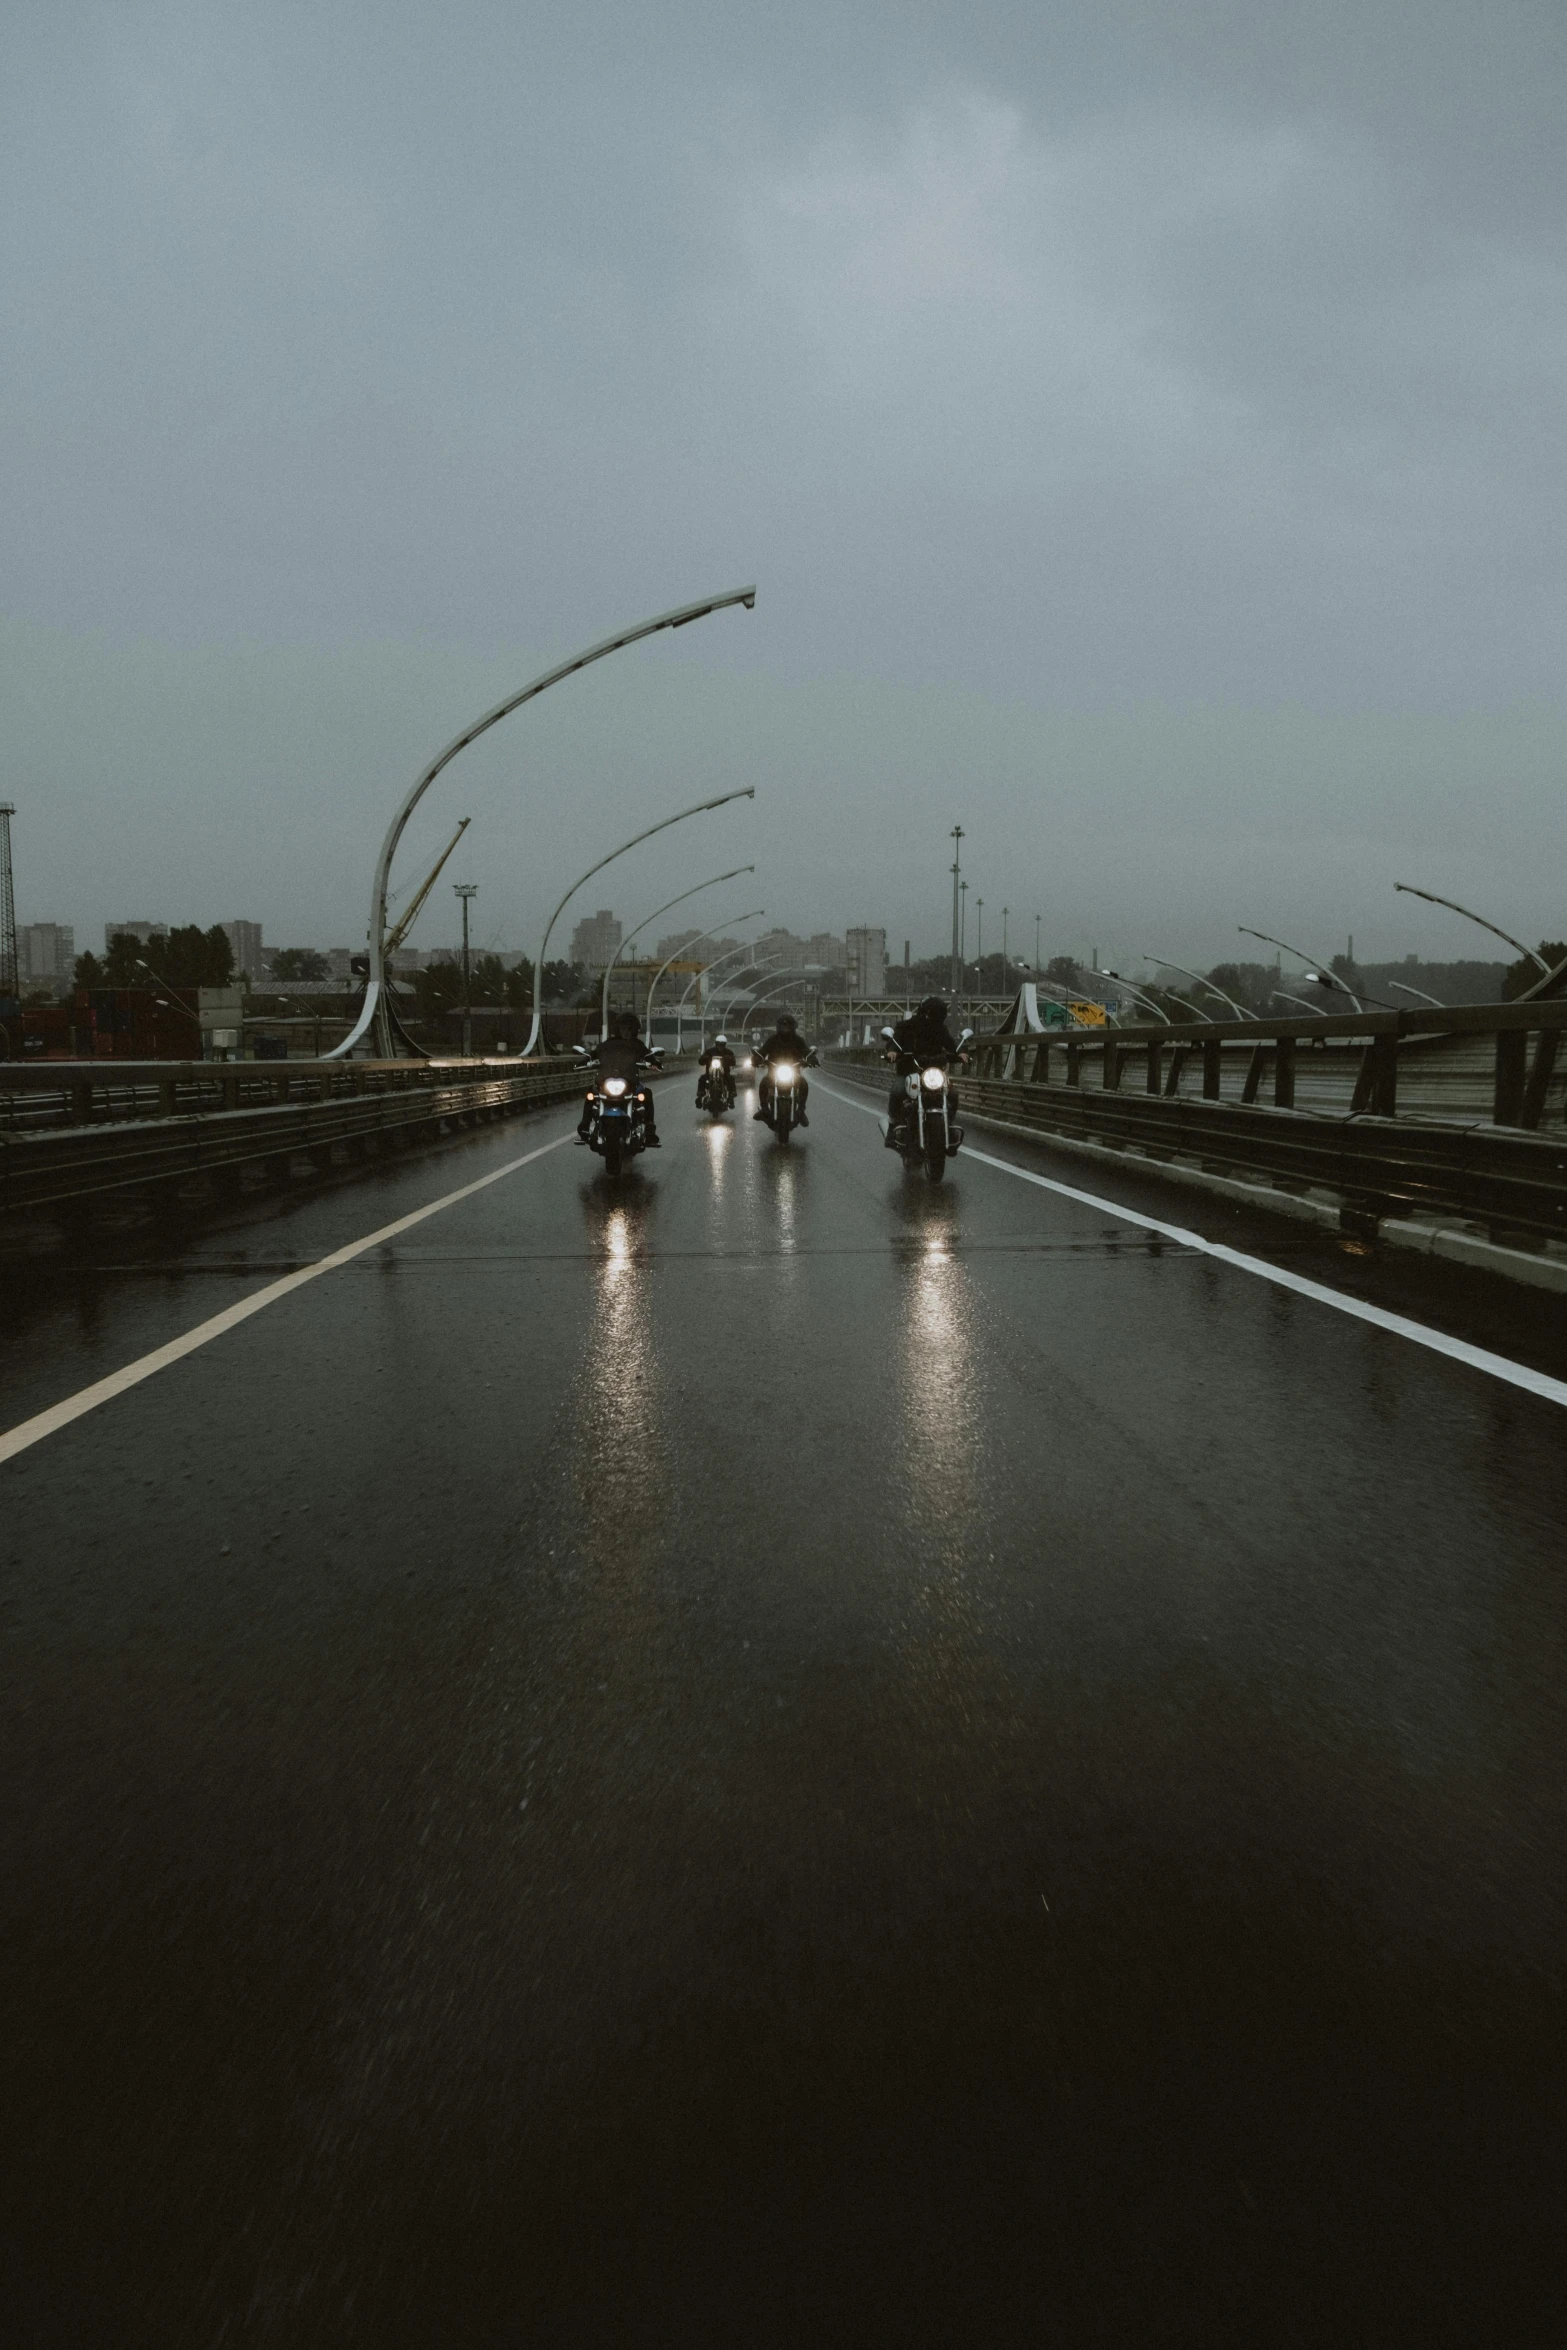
x=183, y=957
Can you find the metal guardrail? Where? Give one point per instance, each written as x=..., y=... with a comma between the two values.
x=73, y=1129
x=1497, y=1062
x=1396, y=1113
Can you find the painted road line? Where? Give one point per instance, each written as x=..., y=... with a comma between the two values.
x=87, y=1399
x=1457, y=1350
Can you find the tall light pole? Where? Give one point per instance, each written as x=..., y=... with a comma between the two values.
x=699, y=808
x=695, y=890
x=957, y=943
x=10, y=961
x=979, y=945
x=466, y=891
x=1005, y=911
x=374, y=1012
x=1037, y=972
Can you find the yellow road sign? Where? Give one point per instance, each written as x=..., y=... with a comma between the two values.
x=1088, y=1015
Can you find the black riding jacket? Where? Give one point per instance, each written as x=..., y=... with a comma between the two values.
x=622, y=1056
x=781, y=1046
x=717, y=1052
x=926, y=1040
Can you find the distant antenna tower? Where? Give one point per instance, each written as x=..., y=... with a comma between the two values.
x=10, y=974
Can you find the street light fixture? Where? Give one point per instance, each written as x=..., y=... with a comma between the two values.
x=1322, y=973
x=706, y=972
x=699, y=808
x=695, y=890
x=171, y=1001
x=1141, y=993
x=754, y=915
x=1197, y=977
x=1454, y=907
x=736, y=990
x=374, y=1013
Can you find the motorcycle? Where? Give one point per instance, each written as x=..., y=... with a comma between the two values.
x=617, y=1127
x=716, y=1088
x=777, y=1095
x=928, y=1133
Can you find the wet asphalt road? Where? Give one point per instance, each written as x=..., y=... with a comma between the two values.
x=775, y=1755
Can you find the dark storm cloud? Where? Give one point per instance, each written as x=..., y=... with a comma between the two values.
x=1054, y=361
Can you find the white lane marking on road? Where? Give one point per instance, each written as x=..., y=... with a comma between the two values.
x=87, y=1399
x=1458, y=1350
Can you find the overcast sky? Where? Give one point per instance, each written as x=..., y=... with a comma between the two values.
x=1143, y=423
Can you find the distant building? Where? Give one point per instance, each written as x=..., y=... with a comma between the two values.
x=782, y=947
x=249, y=953
x=595, y=939
x=46, y=953
x=823, y=948
x=867, y=962
x=145, y=931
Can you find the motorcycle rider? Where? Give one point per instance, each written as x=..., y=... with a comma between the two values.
x=785, y=1044
x=922, y=1038
x=624, y=1053
x=718, y=1050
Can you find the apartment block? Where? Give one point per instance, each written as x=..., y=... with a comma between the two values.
x=46, y=954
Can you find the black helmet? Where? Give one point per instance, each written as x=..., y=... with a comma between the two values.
x=932, y=1009
x=786, y=1023
x=627, y=1024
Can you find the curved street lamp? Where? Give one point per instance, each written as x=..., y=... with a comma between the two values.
x=1141, y=993
x=698, y=808
x=784, y=987
x=695, y=890
x=1454, y=907
x=1401, y=987
x=1323, y=973
x=1238, y=1009
x=736, y=992
x=374, y=1012
x=754, y=915
x=706, y=972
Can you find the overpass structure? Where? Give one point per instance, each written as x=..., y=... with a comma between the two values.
x=772, y=1752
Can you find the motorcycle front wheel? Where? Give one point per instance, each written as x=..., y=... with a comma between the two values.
x=935, y=1161
x=612, y=1157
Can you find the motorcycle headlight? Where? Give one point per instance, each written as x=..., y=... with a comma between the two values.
x=785, y=1072
x=935, y=1079
x=614, y=1085
x=715, y=1068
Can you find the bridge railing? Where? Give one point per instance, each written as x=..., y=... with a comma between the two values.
x=1501, y=1063
x=1452, y=1111
x=71, y=1128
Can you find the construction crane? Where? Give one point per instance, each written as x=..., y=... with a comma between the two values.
x=394, y=938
